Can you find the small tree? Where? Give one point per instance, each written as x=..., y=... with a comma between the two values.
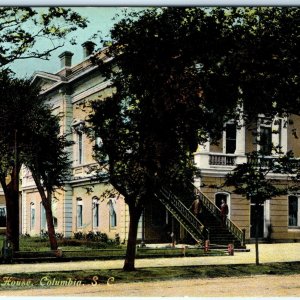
x=253, y=180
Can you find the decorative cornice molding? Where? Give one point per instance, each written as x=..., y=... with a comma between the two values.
x=91, y=91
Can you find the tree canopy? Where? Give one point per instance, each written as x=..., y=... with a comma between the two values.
x=179, y=75
x=29, y=136
x=23, y=31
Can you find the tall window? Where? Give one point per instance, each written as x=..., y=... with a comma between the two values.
x=80, y=149
x=95, y=212
x=266, y=140
x=43, y=217
x=230, y=138
x=78, y=126
x=112, y=213
x=2, y=216
x=293, y=211
x=79, y=212
x=32, y=216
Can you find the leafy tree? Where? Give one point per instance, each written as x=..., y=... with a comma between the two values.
x=17, y=102
x=47, y=158
x=29, y=136
x=23, y=30
x=158, y=113
x=179, y=74
x=251, y=180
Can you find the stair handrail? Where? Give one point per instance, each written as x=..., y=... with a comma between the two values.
x=187, y=214
x=214, y=209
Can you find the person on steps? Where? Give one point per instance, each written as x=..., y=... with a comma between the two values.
x=224, y=212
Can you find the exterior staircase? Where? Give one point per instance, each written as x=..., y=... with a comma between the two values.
x=182, y=214
x=218, y=234
x=209, y=226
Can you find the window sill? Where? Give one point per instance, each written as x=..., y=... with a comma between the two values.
x=294, y=228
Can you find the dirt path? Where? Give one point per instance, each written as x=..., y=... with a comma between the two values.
x=256, y=286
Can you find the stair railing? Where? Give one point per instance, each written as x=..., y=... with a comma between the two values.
x=187, y=215
x=211, y=207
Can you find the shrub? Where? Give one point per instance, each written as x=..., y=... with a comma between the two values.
x=79, y=235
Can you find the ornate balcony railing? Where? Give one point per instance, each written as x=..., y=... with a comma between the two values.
x=292, y=164
x=222, y=160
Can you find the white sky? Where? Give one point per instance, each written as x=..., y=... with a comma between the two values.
x=100, y=19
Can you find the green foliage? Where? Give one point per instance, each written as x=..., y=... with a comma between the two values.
x=255, y=178
x=91, y=236
x=250, y=180
x=179, y=74
x=23, y=30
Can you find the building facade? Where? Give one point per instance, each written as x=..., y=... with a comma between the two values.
x=281, y=214
x=83, y=205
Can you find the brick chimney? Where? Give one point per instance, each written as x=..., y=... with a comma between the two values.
x=66, y=59
x=88, y=48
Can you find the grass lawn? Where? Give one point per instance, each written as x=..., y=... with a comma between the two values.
x=36, y=247
x=13, y=281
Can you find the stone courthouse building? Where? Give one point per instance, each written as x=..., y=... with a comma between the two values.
x=81, y=206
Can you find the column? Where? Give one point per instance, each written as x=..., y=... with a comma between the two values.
x=68, y=211
x=201, y=157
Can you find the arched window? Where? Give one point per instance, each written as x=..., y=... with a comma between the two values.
x=223, y=196
x=95, y=208
x=112, y=213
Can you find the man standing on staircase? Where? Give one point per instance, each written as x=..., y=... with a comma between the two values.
x=196, y=207
x=224, y=211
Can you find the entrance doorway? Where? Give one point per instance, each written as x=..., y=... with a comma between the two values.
x=218, y=201
x=257, y=212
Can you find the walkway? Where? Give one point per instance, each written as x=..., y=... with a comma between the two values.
x=286, y=252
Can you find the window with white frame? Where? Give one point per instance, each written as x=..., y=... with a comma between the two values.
x=270, y=135
x=293, y=209
x=43, y=217
x=266, y=140
x=32, y=216
x=95, y=212
x=230, y=138
x=112, y=213
x=78, y=127
x=79, y=212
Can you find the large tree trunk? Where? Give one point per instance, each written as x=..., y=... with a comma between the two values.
x=11, y=192
x=49, y=217
x=12, y=217
x=47, y=201
x=134, y=214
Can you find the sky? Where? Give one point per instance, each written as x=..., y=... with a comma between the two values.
x=100, y=19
